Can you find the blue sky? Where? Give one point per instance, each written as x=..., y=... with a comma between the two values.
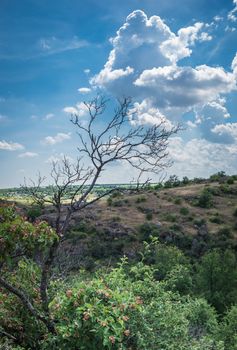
x=177, y=61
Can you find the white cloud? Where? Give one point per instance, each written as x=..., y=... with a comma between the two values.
x=201, y=158
x=84, y=90
x=177, y=47
x=10, y=146
x=52, y=140
x=144, y=114
x=144, y=63
x=70, y=110
x=218, y=18
x=186, y=86
x=53, y=45
x=232, y=14
x=49, y=116
x=87, y=71
x=227, y=131
x=209, y=115
x=28, y=155
x=141, y=35
x=80, y=109
x=108, y=75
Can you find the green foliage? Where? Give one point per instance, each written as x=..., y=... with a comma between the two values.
x=128, y=309
x=141, y=199
x=146, y=230
x=158, y=186
x=230, y=181
x=178, y=201
x=216, y=219
x=17, y=233
x=109, y=201
x=199, y=222
x=228, y=329
x=164, y=258
x=218, y=176
x=33, y=213
x=171, y=217
x=13, y=315
x=149, y=216
x=216, y=278
x=186, y=180
x=173, y=181
x=184, y=211
x=180, y=279
x=205, y=199
x=225, y=232
x=235, y=212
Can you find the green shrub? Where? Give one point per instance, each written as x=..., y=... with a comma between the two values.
x=225, y=232
x=146, y=230
x=199, y=222
x=235, y=212
x=158, y=186
x=109, y=201
x=186, y=180
x=178, y=201
x=141, y=199
x=170, y=217
x=118, y=203
x=128, y=310
x=230, y=181
x=184, y=211
x=216, y=220
x=33, y=213
x=228, y=329
x=205, y=200
x=173, y=181
x=149, y=216
x=216, y=278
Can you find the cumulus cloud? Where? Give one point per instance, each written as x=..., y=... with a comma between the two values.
x=80, y=109
x=84, y=90
x=145, y=113
x=209, y=115
x=199, y=157
x=226, y=131
x=141, y=36
x=28, y=155
x=10, y=146
x=52, y=140
x=178, y=46
x=186, y=86
x=144, y=61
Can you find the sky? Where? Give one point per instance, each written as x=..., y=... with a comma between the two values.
x=178, y=62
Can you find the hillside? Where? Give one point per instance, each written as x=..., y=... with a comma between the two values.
x=195, y=217
x=179, y=275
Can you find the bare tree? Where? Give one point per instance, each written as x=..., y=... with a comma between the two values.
x=143, y=147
